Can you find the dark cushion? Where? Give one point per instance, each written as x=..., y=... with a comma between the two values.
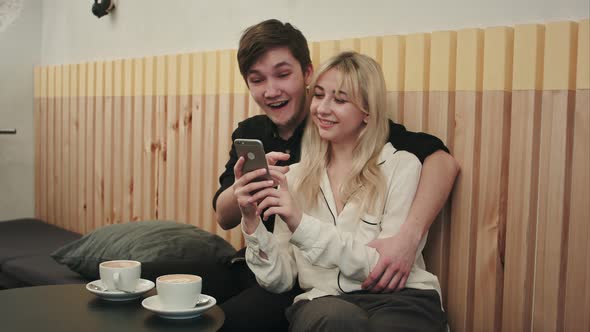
x=158, y=245
x=26, y=237
x=40, y=270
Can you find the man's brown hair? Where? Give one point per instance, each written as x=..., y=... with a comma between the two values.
x=259, y=38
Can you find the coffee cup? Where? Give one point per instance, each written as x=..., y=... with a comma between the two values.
x=179, y=291
x=120, y=275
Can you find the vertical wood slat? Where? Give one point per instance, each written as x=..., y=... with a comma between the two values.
x=416, y=84
x=108, y=144
x=523, y=173
x=57, y=177
x=138, y=184
x=393, y=58
x=150, y=142
x=554, y=172
x=81, y=102
x=127, y=140
x=172, y=124
x=197, y=204
x=68, y=142
x=91, y=150
x=99, y=146
x=210, y=124
x=441, y=107
x=577, y=286
x=493, y=177
x=37, y=138
x=184, y=137
x=161, y=134
x=464, y=201
x=224, y=121
x=117, y=144
x=50, y=145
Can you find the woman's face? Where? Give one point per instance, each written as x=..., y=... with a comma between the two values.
x=338, y=120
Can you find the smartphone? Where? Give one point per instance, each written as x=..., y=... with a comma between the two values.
x=253, y=152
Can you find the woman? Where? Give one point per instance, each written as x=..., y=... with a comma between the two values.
x=349, y=189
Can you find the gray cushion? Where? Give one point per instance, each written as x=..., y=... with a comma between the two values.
x=40, y=270
x=156, y=244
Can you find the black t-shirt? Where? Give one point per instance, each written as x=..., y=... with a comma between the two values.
x=262, y=128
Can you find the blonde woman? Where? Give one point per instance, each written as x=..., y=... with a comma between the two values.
x=350, y=188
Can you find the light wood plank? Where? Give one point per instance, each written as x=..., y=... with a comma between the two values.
x=172, y=128
x=65, y=171
x=393, y=65
x=82, y=101
x=99, y=143
x=91, y=149
x=523, y=177
x=127, y=162
x=197, y=203
x=184, y=138
x=111, y=144
x=150, y=141
x=161, y=134
x=51, y=151
x=138, y=179
x=372, y=47
x=210, y=126
x=416, y=82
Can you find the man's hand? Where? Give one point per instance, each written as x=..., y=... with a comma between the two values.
x=396, y=257
x=243, y=187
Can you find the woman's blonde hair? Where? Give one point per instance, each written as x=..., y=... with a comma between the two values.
x=362, y=80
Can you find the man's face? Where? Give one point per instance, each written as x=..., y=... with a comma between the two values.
x=277, y=84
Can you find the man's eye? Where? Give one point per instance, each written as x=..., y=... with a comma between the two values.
x=254, y=80
x=286, y=74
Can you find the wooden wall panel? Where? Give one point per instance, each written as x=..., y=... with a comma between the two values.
x=147, y=138
x=523, y=177
x=554, y=176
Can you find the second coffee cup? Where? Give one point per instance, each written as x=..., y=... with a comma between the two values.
x=179, y=291
x=120, y=275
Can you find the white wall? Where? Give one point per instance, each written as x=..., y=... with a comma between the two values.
x=20, y=50
x=72, y=34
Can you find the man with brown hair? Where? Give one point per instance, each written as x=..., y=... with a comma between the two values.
x=275, y=63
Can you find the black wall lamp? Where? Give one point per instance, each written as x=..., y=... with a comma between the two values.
x=102, y=7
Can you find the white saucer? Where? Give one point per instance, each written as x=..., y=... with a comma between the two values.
x=153, y=304
x=115, y=295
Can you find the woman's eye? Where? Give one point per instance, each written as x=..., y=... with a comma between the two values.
x=340, y=101
x=318, y=95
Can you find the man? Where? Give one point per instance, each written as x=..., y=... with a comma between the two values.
x=274, y=61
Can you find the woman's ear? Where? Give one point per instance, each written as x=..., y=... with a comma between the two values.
x=366, y=119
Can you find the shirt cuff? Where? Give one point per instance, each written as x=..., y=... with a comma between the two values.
x=258, y=240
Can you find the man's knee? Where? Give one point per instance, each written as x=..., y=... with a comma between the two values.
x=327, y=314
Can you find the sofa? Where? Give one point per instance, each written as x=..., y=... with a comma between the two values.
x=34, y=253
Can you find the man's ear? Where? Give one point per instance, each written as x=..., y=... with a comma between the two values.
x=307, y=74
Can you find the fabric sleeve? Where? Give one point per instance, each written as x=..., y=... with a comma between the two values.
x=277, y=272
x=421, y=145
x=324, y=245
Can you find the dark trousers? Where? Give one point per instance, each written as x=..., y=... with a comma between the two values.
x=253, y=308
x=406, y=310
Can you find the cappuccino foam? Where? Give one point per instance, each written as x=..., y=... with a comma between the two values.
x=179, y=278
x=117, y=264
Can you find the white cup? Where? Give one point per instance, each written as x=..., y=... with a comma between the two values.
x=120, y=275
x=179, y=291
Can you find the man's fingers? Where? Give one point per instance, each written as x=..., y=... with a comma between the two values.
x=268, y=202
x=392, y=286
x=384, y=280
x=273, y=157
x=402, y=283
x=374, y=276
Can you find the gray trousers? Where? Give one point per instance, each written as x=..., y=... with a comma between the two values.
x=406, y=310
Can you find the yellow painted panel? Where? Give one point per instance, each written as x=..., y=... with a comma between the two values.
x=327, y=49
x=225, y=72
x=148, y=76
x=43, y=82
x=314, y=53
x=469, y=60
x=118, y=78
x=91, y=79
x=528, y=57
x=99, y=72
x=497, y=54
x=417, y=62
x=172, y=75
x=160, y=75
x=109, y=78
x=128, y=82
x=560, y=46
x=185, y=70
x=350, y=44
x=371, y=46
x=51, y=82
x=393, y=60
x=443, y=59
x=211, y=68
x=58, y=81
x=37, y=78
x=74, y=80
x=583, y=67
x=197, y=75
x=239, y=84
x=65, y=83
x=138, y=82
x=82, y=82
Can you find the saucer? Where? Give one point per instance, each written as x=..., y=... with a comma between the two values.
x=153, y=304
x=116, y=295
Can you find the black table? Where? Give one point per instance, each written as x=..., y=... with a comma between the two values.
x=73, y=308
